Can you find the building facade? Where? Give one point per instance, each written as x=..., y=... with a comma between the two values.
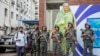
x=12, y=12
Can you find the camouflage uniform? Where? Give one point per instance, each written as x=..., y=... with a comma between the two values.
x=43, y=43
x=56, y=45
x=35, y=47
x=70, y=42
x=88, y=42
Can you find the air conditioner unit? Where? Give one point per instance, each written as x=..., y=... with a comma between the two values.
x=25, y=12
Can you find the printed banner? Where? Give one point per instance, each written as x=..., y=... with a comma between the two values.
x=87, y=13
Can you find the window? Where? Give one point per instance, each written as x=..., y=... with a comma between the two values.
x=16, y=16
x=6, y=12
x=24, y=5
x=21, y=4
x=17, y=2
x=36, y=18
x=12, y=3
x=36, y=7
x=17, y=5
x=27, y=7
x=36, y=13
x=12, y=15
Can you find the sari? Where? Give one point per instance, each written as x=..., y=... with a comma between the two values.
x=62, y=20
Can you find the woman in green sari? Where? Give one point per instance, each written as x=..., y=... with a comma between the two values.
x=63, y=17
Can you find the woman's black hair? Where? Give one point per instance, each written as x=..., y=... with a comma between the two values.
x=88, y=25
x=70, y=24
x=56, y=26
x=44, y=27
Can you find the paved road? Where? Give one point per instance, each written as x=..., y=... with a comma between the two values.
x=10, y=53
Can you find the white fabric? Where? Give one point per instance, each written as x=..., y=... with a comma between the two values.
x=22, y=37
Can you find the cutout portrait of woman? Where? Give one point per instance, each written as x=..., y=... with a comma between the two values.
x=63, y=17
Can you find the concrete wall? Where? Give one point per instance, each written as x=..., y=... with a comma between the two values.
x=50, y=18
x=49, y=22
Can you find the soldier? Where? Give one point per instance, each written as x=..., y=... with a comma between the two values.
x=35, y=43
x=70, y=35
x=56, y=36
x=88, y=37
x=44, y=38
